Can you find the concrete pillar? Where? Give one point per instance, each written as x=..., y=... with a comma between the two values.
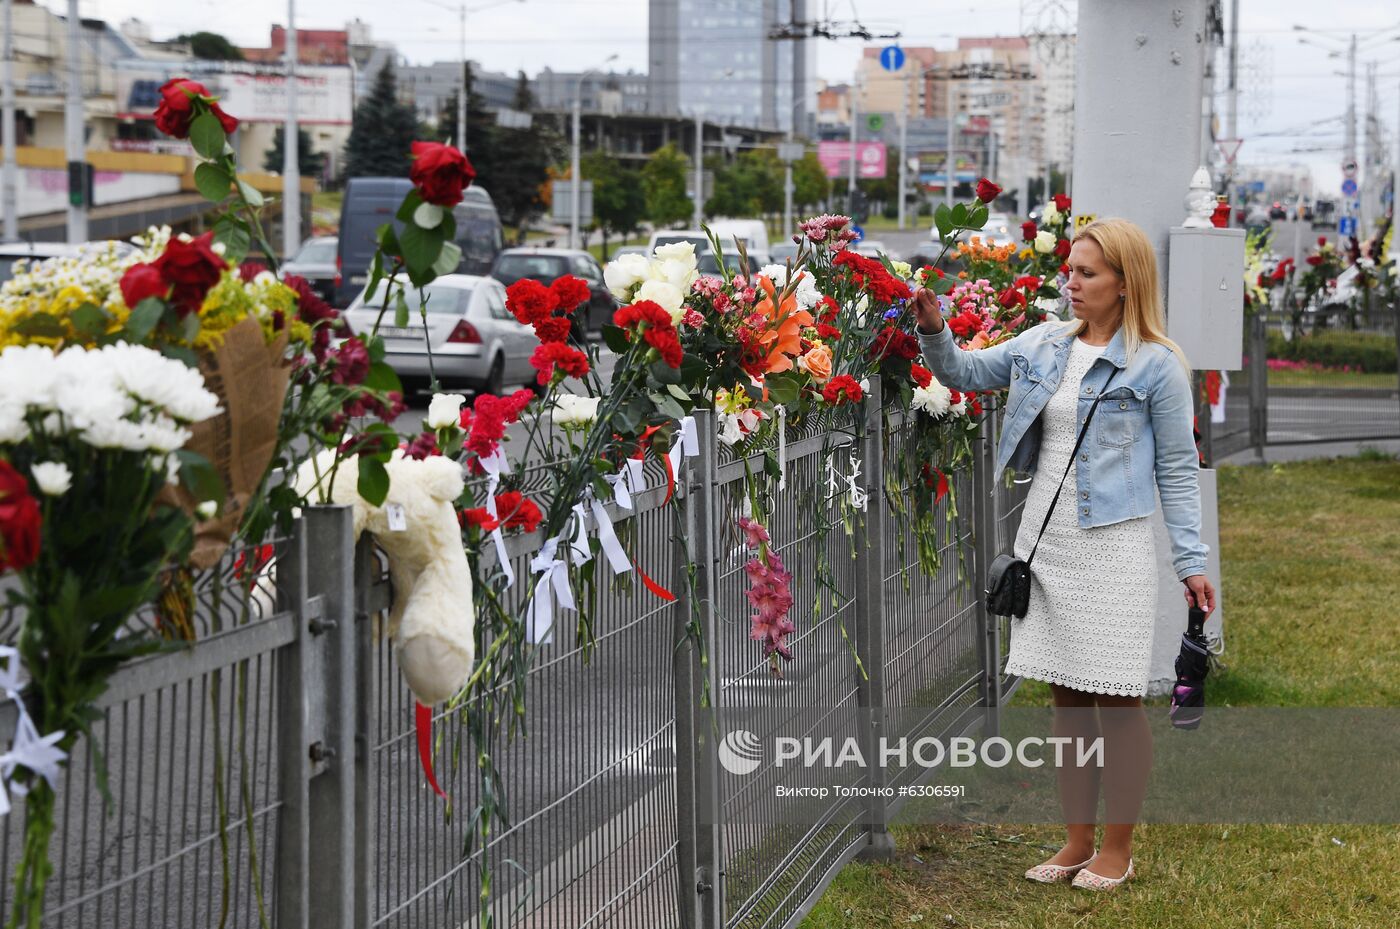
x=1137, y=110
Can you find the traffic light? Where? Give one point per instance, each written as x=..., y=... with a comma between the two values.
x=80, y=183
x=859, y=206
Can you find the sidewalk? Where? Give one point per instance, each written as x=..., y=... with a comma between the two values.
x=1305, y=451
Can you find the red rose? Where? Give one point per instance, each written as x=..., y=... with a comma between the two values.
x=1321, y=241
x=19, y=521
x=177, y=108
x=1028, y=231
x=1062, y=248
x=440, y=173
x=1064, y=269
x=530, y=301
x=1061, y=202
x=987, y=191
x=141, y=282
x=193, y=267
x=1011, y=298
x=571, y=292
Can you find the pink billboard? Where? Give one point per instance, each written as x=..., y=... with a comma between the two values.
x=835, y=158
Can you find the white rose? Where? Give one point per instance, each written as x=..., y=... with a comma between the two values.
x=1051, y=216
x=933, y=399
x=1045, y=241
x=676, y=251
x=666, y=295
x=53, y=478
x=445, y=410
x=622, y=274
x=207, y=510
x=571, y=409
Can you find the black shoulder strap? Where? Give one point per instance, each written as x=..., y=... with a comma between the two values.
x=1087, y=420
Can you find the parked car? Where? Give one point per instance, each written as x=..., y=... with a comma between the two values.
x=476, y=343
x=11, y=252
x=1278, y=211
x=695, y=237
x=370, y=202
x=315, y=261
x=783, y=252
x=546, y=264
x=708, y=265
x=874, y=248
x=754, y=232
x=629, y=250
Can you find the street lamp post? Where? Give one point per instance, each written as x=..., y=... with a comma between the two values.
x=462, y=10
x=576, y=189
x=291, y=164
x=9, y=196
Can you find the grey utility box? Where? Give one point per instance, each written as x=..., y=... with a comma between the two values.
x=1205, y=296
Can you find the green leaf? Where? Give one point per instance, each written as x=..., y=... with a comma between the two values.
x=421, y=247
x=943, y=218
x=182, y=354
x=251, y=195
x=400, y=309
x=428, y=216
x=207, y=136
x=959, y=214
x=667, y=406
x=40, y=325
x=388, y=241
x=692, y=369
x=783, y=389
x=448, y=259
x=373, y=484
x=143, y=319
x=211, y=182
x=374, y=344
x=664, y=373
x=382, y=378
x=199, y=476
x=189, y=328
x=236, y=239
x=90, y=320
x=678, y=392
x=615, y=338
x=978, y=218
x=411, y=201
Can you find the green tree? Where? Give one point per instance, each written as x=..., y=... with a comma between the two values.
x=663, y=185
x=512, y=164
x=810, y=184
x=210, y=46
x=309, y=162
x=381, y=134
x=751, y=185
x=618, y=202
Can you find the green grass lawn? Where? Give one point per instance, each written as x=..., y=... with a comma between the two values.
x=1289, y=378
x=1309, y=552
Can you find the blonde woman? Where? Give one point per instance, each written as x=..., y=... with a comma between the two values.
x=1088, y=630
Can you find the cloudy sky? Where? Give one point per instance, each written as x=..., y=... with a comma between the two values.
x=1291, y=111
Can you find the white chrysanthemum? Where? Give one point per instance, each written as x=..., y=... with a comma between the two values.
x=935, y=399
x=807, y=294
x=666, y=295
x=164, y=383
x=13, y=428
x=624, y=273
x=573, y=410
x=445, y=410
x=53, y=478
x=959, y=408
x=28, y=376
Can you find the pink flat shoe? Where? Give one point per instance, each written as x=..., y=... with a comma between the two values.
x=1056, y=873
x=1088, y=880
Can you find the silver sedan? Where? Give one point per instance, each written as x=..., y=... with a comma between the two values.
x=476, y=343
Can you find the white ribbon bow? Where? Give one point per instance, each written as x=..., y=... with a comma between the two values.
x=495, y=465
x=580, y=551
x=630, y=480
x=782, y=446
x=687, y=445
x=37, y=753
x=553, y=585
x=612, y=548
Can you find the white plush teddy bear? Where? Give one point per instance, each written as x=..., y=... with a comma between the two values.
x=431, y=619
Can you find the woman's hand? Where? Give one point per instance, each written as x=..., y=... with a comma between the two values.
x=1199, y=593
x=926, y=311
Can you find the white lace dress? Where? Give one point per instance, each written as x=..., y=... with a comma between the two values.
x=1093, y=597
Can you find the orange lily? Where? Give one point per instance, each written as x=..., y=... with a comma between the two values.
x=783, y=339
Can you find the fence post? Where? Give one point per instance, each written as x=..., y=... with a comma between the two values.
x=330, y=699
x=293, y=764
x=984, y=539
x=871, y=569
x=366, y=701
x=698, y=850
x=1259, y=384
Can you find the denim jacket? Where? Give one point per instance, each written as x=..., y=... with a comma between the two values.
x=1142, y=425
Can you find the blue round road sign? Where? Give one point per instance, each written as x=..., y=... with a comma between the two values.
x=891, y=57
x=1349, y=187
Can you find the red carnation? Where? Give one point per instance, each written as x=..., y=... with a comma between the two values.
x=1062, y=202
x=141, y=282
x=828, y=333
x=423, y=446
x=351, y=363
x=440, y=173
x=571, y=361
x=553, y=329
x=517, y=511
x=177, y=108
x=530, y=301
x=193, y=267
x=892, y=343
x=478, y=517
x=20, y=521
x=666, y=343
x=842, y=389
x=966, y=323
x=1028, y=231
x=570, y=292
x=987, y=191
x=1062, y=248
x=921, y=375
x=1314, y=260
x=486, y=422
x=1028, y=281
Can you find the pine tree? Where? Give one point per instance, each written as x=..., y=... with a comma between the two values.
x=512, y=164
x=382, y=132
x=309, y=163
